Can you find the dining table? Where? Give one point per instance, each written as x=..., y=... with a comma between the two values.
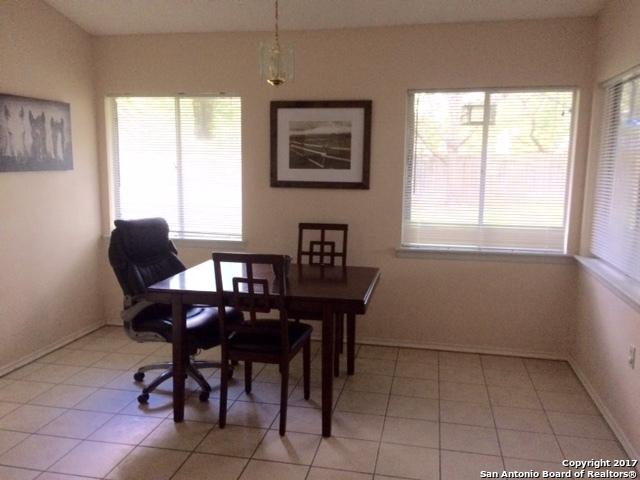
x=312, y=291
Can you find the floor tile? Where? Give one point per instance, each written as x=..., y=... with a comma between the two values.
x=467, y=466
x=591, y=426
x=466, y=413
x=522, y=465
x=578, y=403
x=305, y=420
x=368, y=382
x=317, y=473
x=7, y=407
x=514, y=397
x=362, y=402
x=151, y=463
x=409, y=407
x=406, y=431
x=261, y=392
x=10, y=439
x=379, y=352
x=298, y=448
x=408, y=462
x=22, y=372
x=106, y=400
x=144, y=348
x=521, y=419
x=38, y=452
x=508, y=378
x=93, y=377
x=458, y=358
x=91, y=459
x=461, y=374
x=119, y=361
x=357, y=425
x=159, y=405
x=375, y=366
x=503, y=363
x=198, y=411
x=315, y=398
x=21, y=391
x=53, y=373
x=29, y=418
x=347, y=454
x=585, y=448
x=199, y=467
x=75, y=424
x=464, y=392
x=232, y=440
x=535, y=365
x=177, y=436
x=252, y=414
x=466, y=438
x=425, y=371
x=531, y=446
x=13, y=473
x=415, y=387
x=565, y=382
x=78, y=358
x=260, y=470
x=64, y=396
x=128, y=429
x=417, y=356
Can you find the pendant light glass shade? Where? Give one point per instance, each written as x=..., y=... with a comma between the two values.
x=276, y=60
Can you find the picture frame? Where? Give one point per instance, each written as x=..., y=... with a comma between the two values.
x=321, y=144
x=35, y=134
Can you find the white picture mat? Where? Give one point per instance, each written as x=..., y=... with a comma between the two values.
x=353, y=115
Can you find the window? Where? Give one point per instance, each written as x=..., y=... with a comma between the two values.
x=488, y=170
x=616, y=218
x=179, y=158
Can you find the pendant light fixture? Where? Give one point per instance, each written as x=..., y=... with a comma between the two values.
x=276, y=60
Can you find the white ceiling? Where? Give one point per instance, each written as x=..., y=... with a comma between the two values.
x=114, y=17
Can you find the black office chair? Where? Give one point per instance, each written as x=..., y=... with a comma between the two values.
x=141, y=254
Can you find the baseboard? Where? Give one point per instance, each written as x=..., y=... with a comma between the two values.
x=48, y=349
x=606, y=413
x=452, y=347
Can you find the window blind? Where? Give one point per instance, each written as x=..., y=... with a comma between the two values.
x=488, y=169
x=616, y=219
x=179, y=158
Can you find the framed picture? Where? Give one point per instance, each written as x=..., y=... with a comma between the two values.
x=34, y=134
x=320, y=144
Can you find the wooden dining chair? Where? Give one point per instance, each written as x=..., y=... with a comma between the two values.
x=326, y=244
x=258, y=340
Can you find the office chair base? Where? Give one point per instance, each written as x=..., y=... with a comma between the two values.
x=192, y=371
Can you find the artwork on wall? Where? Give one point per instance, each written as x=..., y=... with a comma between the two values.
x=34, y=134
x=320, y=144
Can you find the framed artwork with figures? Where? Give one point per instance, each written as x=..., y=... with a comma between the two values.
x=35, y=134
x=321, y=144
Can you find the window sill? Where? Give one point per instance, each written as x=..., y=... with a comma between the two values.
x=483, y=255
x=624, y=287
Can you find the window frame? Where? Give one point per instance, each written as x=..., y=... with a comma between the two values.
x=411, y=249
x=113, y=166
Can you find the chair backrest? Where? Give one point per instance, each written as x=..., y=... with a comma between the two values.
x=322, y=251
x=252, y=293
x=141, y=254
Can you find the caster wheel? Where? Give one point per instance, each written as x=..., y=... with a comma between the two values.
x=143, y=399
x=204, y=396
x=138, y=376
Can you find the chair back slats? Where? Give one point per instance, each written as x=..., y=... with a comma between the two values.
x=323, y=251
x=252, y=293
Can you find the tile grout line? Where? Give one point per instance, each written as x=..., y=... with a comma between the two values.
x=384, y=421
x=493, y=415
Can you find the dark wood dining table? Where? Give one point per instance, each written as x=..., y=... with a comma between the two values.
x=320, y=291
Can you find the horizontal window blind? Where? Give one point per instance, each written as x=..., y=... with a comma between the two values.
x=179, y=158
x=488, y=169
x=616, y=218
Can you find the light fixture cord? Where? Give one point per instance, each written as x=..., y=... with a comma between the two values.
x=277, y=31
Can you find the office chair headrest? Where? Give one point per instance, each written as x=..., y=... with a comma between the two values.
x=144, y=239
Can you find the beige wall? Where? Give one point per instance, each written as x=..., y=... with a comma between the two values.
x=606, y=325
x=49, y=221
x=501, y=306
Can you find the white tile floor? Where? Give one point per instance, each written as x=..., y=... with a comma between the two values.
x=409, y=414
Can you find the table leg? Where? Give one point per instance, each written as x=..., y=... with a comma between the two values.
x=328, y=323
x=351, y=343
x=180, y=354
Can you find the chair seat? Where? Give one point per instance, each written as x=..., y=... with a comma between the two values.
x=267, y=338
x=203, y=330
